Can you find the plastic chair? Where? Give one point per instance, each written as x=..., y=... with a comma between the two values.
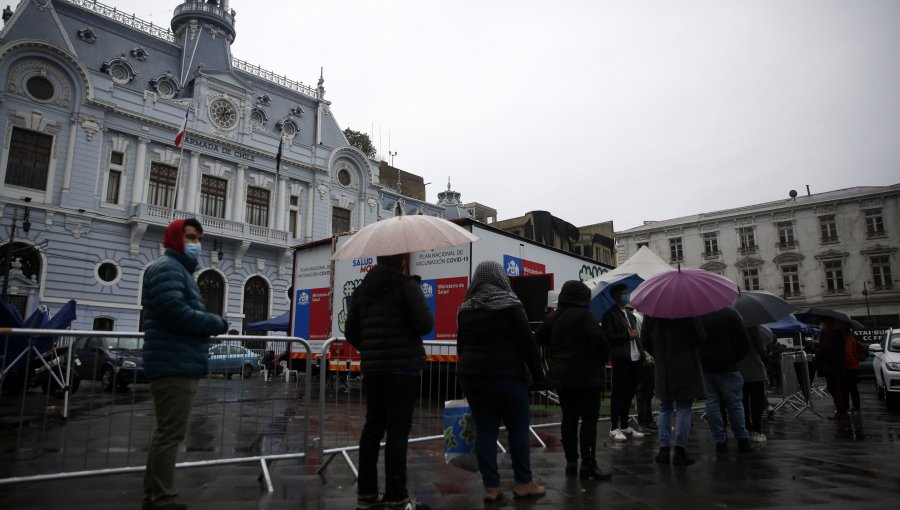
x=287, y=372
x=263, y=372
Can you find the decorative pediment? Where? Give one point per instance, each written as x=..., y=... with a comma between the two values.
x=878, y=249
x=746, y=262
x=787, y=257
x=832, y=254
x=713, y=267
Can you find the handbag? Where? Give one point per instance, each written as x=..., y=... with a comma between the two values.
x=459, y=435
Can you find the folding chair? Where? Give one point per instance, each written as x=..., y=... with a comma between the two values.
x=287, y=372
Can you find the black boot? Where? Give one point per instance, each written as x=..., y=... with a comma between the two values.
x=663, y=456
x=591, y=470
x=571, y=468
x=681, y=458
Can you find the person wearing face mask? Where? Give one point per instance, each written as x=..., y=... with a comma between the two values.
x=626, y=354
x=177, y=328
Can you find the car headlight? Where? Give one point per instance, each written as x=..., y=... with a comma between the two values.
x=893, y=366
x=128, y=364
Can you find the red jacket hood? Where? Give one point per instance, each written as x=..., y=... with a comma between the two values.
x=174, y=236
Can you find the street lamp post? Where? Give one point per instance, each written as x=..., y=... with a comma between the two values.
x=26, y=226
x=865, y=294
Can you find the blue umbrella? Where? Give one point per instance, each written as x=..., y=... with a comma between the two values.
x=601, y=298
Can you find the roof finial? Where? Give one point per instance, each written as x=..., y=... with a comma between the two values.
x=320, y=90
x=448, y=183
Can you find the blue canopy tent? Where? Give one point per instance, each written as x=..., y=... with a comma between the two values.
x=789, y=326
x=280, y=323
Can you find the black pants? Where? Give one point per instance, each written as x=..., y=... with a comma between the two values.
x=390, y=400
x=646, y=386
x=584, y=405
x=851, y=390
x=625, y=377
x=755, y=402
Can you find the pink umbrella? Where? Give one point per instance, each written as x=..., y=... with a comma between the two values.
x=684, y=293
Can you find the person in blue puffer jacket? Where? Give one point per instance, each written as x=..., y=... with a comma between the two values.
x=177, y=328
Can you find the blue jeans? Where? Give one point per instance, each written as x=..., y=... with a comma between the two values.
x=493, y=399
x=725, y=388
x=682, y=409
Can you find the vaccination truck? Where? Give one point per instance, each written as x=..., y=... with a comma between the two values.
x=322, y=288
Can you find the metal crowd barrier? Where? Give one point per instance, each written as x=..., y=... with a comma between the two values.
x=95, y=427
x=797, y=384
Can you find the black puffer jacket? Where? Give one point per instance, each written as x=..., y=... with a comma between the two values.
x=497, y=343
x=388, y=316
x=578, y=348
x=727, y=340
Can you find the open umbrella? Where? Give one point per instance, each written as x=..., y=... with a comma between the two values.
x=684, y=293
x=601, y=298
x=814, y=315
x=403, y=234
x=761, y=307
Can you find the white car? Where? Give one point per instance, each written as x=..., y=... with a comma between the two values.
x=887, y=367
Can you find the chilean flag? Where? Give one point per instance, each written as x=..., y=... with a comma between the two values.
x=180, y=136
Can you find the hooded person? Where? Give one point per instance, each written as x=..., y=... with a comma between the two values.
x=177, y=328
x=387, y=318
x=578, y=353
x=497, y=358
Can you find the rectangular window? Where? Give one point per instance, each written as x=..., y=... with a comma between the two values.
x=294, y=217
x=834, y=276
x=881, y=272
x=29, y=159
x=114, y=177
x=751, y=278
x=676, y=252
x=212, y=196
x=874, y=223
x=161, y=191
x=828, y=228
x=711, y=243
x=340, y=220
x=258, y=206
x=748, y=239
x=790, y=275
x=785, y=234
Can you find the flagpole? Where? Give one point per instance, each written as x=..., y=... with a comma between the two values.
x=277, y=178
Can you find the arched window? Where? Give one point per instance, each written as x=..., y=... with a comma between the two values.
x=212, y=288
x=256, y=304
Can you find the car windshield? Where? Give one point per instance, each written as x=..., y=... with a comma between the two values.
x=130, y=344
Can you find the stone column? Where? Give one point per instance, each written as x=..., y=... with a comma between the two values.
x=193, y=182
x=310, y=192
x=70, y=154
x=280, y=211
x=140, y=162
x=239, y=195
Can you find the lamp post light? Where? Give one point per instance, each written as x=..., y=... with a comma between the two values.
x=26, y=227
x=865, y=293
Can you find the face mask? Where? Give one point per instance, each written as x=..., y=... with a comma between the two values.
x=625, y=298
x=193, y=250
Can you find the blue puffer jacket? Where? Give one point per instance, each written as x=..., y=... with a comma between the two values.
x=177, y=326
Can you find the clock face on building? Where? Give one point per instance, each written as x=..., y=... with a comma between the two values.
x=223, y=113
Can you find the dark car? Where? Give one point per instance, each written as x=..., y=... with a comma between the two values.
x=866, y=368
x=115, y=362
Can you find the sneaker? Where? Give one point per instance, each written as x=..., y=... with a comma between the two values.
x=369, y=501
x=409, y=503
x=529, y=490
x=617, y=435
x=634, y=434
x=758, y=437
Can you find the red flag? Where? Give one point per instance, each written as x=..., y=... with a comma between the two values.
x=180, y=136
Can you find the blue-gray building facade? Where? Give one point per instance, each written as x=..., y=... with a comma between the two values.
x=91, y=102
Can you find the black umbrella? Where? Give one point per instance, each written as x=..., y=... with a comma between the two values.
x=814, y=315
x=761, y=307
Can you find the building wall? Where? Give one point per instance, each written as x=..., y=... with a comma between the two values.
x=853, y=248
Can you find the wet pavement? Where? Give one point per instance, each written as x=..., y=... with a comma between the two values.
x=808, y=462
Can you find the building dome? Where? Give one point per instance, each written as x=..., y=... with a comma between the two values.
x=453, y=209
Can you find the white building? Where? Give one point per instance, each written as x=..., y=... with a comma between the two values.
x=836, y=249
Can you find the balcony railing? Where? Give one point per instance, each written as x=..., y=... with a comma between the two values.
x=788, y=245
x=203, y=7
x=747, y=250
x=128, y=20
x=163, y=215
x=277, y=79
x=711, y=254
x=830, y=239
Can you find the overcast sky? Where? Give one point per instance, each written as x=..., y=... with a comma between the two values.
x=596, y=110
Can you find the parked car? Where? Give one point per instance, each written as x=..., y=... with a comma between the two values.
x=887, y=367
x=228, y=360
x=115, y=362
x=866, y=366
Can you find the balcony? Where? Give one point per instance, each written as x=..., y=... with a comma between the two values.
x=787, y=245
x=876, y=234
x=830, y=239
x=709, y=255
x=157, y=215
x=747, y=250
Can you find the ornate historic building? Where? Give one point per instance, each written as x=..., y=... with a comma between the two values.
x=836, y=249
x=90, y=105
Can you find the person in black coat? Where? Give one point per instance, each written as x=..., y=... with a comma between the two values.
x=388, y=317
x=727, y=344
x=626, y=354
x=497, y=357
x=578, y=352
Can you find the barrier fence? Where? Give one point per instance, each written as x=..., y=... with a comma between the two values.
x=798, y=378
x=88, y=424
